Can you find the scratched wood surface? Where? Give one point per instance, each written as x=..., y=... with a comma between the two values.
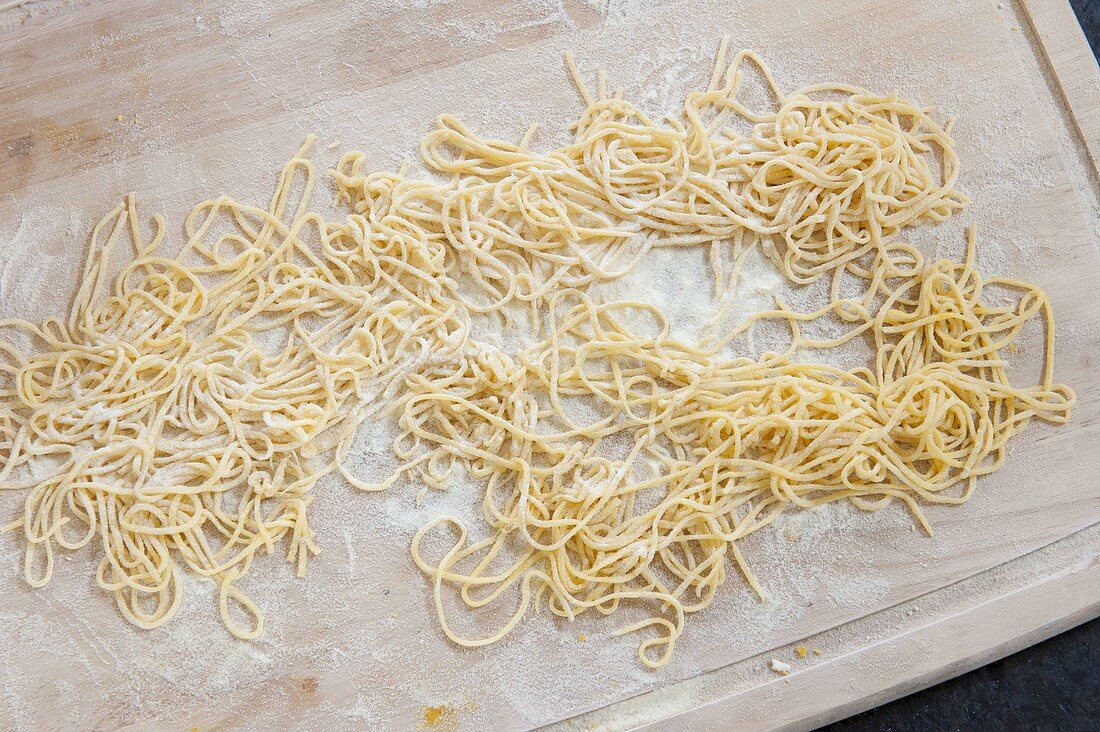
x=182, y=100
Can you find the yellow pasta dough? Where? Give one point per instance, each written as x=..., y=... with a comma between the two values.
x=187, y=407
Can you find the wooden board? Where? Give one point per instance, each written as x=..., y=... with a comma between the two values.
x=1070, y=60
x=182, y=100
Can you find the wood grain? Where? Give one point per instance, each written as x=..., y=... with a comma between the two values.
x=67, y=82
x=951, y=646
x=207, y=90
x=1067, y=52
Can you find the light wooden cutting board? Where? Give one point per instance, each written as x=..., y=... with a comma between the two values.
x=184, y=100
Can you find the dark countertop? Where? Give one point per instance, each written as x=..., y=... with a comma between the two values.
x=1088, y=13
x=1053, y=685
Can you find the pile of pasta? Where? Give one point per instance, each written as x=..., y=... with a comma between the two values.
x=718, y=449
x=187, y=409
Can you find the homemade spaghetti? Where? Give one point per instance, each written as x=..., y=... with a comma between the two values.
x=184, y=411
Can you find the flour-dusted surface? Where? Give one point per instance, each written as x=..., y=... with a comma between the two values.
x=215, y=96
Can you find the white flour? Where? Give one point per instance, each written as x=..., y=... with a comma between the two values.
x=356, y=642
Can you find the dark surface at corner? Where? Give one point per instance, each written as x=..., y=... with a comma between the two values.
x=1054, y=685
x=1088, y=13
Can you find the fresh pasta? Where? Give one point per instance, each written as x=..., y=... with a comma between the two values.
x=184, y=406
x=721, y=447
x=187, y=407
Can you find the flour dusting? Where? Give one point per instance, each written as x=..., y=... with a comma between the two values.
x=356, y=643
